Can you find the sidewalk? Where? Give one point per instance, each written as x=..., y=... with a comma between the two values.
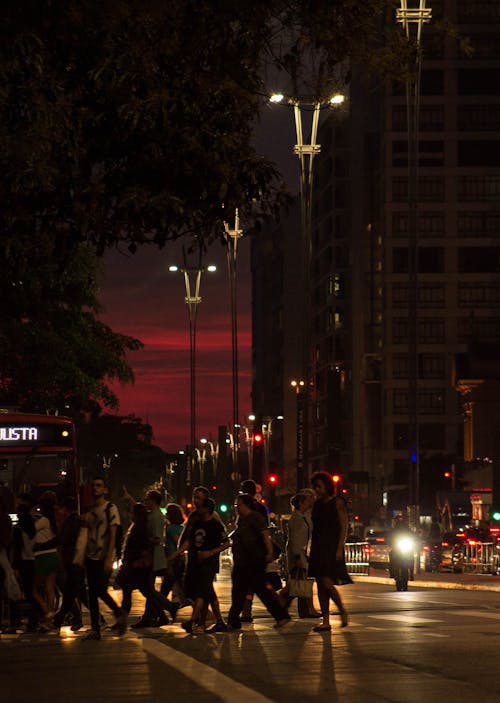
x=470, y=582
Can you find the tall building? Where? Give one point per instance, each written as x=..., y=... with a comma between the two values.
x=359, y=409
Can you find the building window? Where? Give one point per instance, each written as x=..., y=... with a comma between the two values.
x=483, y=188
x=431, y=331
x=400, y=366
x=400, y=330
x=400, y=400
x=431, y=260
x=476, y=118
x=473, y=295
x=430, y=153
x=478, y=11
x=430, y=224
x=431, y=401
x=400, y=260
x=478, y=259
x=485, y=328
x=431, y=366
x=478, y=152
x=478, y=81
x=431, y=188
x=428, y=296
x=478, y=224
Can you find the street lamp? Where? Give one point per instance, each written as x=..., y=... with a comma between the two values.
x=232, y=237
x=306, y=153
x=413, y=18
x=192, y=282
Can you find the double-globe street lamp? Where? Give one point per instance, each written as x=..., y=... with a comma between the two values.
x=192, y=281
x=306, y=153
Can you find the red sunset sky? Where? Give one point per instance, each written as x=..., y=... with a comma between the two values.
x=142, y=299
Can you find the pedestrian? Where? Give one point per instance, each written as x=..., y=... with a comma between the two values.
x=250, y=487
x=137, y=569
x=199, y=495
x=252, y=550
x=299, y=537
x=23, y=563
x=207, y=539
x=8, y=580
x=102, y=520
x=73, y=535
x=46, y=557
x=326, y=561
x=176, y=562
x=156, y=531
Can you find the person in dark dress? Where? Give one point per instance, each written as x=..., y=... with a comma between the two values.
x=326, y=560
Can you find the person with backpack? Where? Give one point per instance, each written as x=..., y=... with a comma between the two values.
x=103, y=520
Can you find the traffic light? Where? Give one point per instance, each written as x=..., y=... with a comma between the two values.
x=223, y=508
x=496, y=515
x=272, y=480
x=336, y=478
x=258, y=438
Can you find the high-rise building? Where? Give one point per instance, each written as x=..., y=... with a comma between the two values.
x=359, y=403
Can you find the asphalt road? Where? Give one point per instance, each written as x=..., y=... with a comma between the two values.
x=425, y=645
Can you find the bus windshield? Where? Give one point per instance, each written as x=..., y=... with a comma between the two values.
x=37, y=453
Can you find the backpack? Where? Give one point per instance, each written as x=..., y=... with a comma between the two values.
x=119, y=532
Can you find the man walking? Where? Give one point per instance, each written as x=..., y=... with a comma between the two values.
x=102, y=520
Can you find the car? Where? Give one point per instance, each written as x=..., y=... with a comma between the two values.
x=378, y=546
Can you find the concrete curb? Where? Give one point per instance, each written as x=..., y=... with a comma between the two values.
x=431, y=584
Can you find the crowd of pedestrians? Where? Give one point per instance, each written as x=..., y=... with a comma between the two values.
x=53, y=551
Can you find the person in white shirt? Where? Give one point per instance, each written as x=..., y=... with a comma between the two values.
x=102, y=521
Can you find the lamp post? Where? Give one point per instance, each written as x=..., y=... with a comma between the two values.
x=306, y=153
x=413, y=18
x=299, y=388
x=192, y=282
x=232, y=237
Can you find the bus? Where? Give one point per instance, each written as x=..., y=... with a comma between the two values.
x=37, y=453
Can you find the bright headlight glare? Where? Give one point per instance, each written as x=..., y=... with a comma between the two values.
x=405, y=545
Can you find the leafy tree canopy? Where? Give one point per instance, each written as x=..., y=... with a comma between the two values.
x=55, y=354
x=132, y=121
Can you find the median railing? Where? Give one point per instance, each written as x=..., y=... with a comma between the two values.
x=357, y=557
x=477, y=558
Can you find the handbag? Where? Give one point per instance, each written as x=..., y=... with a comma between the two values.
x=299, y=585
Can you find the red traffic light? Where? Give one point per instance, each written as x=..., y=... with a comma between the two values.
x=257, y=438
x=336, y=478
x=272, y=479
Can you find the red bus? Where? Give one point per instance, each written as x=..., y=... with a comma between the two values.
x=37, y=453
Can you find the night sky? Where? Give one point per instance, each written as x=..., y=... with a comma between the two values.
x=143, y=299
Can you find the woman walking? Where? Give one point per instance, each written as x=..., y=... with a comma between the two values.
x=299, y=537
x=326, y=561
x=46, y=557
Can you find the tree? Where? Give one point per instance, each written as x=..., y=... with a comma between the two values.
x=133, y=121
x=55, y=354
